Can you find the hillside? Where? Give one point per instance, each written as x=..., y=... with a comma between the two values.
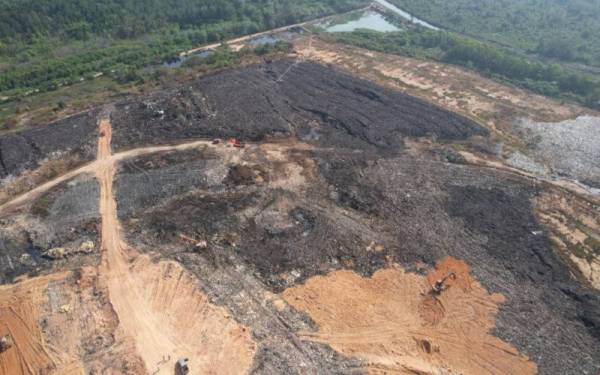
x=295, y=201
x=311, y=248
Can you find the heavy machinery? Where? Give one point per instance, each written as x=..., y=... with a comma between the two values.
x=6, y=343
x=440, y=285
x=182, y=367
x=235, y=143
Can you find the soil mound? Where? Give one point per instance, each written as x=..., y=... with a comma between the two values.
x=385, y=321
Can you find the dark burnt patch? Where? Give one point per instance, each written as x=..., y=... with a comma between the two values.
x=64, y=217
x=23, y=150
x=163, y=159
x=508, y=222
x=269, y=100
x=538, y=286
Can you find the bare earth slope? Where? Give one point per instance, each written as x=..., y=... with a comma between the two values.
x=310, y=250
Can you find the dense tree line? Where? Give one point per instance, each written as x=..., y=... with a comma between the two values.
x=48, y=43
x=546, y=79
x=568, y=30
x=129, y=18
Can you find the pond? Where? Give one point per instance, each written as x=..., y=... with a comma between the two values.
x=369, y=20
x=406, y=15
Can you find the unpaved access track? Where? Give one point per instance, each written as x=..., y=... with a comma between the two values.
x=311, y=250
x=158, y=305
x=93, y=167
x=162, y=315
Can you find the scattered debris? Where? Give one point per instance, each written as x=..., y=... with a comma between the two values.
x=570, y=147
x=375, y=247
x=87, y=247
x=56, y=253
x=25, y=258
x=200, y=245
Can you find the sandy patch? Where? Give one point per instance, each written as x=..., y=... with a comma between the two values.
x=21, y=308
x=172, y=319
x=573, y=224
x=393, y=323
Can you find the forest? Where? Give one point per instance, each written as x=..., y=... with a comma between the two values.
x=45, y=44
x=559, y=29
x=546, y=79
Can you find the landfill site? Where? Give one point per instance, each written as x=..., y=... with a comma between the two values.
x=332, y=211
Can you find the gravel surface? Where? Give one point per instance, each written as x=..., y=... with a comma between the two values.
x=571, y=148
x=524, y=162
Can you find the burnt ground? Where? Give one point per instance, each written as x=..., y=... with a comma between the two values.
x=63, y=217
x=317, y=104
x=419, y=208
x=336, y=189
x=73, y=136
x=359, y=188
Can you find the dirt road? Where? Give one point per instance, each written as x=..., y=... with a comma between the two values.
x=158, y=304
x=272, y=31
x=94, y=167
x=110, y=158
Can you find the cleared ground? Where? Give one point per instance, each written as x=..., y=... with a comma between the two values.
x=310, y=250
x=393, y=323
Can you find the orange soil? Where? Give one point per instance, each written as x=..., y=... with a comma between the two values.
x=394, y=324
x=159, y=304
x=157, y=309
x=22, y=307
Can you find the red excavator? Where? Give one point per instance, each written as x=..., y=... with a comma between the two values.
x=235, y=143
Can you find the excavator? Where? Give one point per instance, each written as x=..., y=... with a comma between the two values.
x=440, y=285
